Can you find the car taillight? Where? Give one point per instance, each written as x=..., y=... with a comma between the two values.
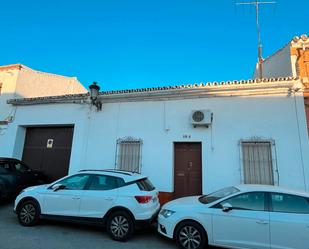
x=143, y=199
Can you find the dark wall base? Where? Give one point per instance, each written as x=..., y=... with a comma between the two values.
x=165, y=197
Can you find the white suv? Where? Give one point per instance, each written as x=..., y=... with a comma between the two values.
x=121, y=201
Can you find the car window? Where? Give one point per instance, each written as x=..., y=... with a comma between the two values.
x=286, y=203
x=101, y=182
x=77, y=182
x=254, y=201
x=20, y=167
x=225, y=192
x=4, y=167
x=145, y=185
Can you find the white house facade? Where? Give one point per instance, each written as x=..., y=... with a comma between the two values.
x=188, y=139
x=20, y=81
x=290, y=61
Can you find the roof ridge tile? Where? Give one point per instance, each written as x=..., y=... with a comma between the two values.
x=201, y=85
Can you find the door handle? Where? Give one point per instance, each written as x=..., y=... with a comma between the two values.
x=108, y=198
x=262, y=222
x=76, y=198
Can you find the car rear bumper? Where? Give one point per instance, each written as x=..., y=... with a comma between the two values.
x=146, y=223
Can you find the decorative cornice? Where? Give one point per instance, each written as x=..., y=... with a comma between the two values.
x=214, y=89
x=208, y=85
x=302, y=41
x=296, y=42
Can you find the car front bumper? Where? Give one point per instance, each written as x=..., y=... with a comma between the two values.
x=166, y=226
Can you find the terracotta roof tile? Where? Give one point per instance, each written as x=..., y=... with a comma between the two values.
x=215, y=84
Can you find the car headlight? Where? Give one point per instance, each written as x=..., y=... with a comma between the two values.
x=166, y=213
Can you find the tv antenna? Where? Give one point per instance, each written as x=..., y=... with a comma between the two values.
x=257, y=5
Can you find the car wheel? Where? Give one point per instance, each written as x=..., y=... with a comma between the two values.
x=190, y=235
x=28, y=213
x=120, y=226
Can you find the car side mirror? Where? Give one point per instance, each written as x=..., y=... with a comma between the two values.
x=57, y=187
x=226, y=207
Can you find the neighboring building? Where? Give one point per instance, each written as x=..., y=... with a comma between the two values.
x=188, y=139
x=19, y=81
x=290, y=61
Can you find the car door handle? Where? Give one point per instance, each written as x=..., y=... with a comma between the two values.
x=108, y=198
x=76, y=198
x=262, y=222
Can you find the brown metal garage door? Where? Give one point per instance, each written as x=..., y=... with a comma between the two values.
x=49, y=149
x=188, y=169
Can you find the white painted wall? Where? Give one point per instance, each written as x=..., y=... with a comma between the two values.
x=8, y=78
x=23, y=82
x=277, y=65
x=160, y=123
x=32, y=83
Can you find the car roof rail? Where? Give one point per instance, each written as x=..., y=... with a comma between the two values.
x=124, y=172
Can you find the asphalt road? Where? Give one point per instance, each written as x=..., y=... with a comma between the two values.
x=57, y=235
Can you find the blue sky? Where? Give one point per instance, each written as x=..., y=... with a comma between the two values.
x=143, y=43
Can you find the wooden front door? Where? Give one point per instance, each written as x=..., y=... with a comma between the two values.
x=187, y=169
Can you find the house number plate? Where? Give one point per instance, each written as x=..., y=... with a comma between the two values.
x=50, y=143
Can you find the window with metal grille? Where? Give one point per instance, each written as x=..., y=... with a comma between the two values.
x=128, y=154
x=257, y=162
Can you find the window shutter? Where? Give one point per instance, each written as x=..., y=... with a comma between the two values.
x=257, y=163
x=128, y=156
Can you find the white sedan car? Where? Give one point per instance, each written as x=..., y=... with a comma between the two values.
x=120, y=201
x=245, y=216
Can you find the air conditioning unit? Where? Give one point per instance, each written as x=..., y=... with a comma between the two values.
x=201, y=118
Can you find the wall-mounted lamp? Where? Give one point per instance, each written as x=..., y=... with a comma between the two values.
x=94, y=93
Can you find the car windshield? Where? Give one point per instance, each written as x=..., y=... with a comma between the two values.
x=205, y=199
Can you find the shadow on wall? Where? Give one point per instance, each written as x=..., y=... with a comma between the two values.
x=7, y=115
